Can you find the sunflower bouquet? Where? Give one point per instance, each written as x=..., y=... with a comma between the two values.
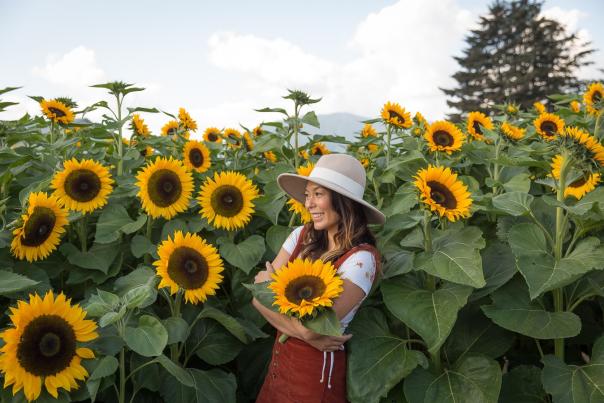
x=306, y=290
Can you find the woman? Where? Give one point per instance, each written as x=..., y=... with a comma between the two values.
x=310, y=367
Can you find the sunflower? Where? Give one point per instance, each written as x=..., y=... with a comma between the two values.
x=303, y=154
x=294, y=205
x=233, y=137
x=575, y=106
x=420, y=120
x=227, y=200
x=302, y=286
x=443, y=192
x=539, y=107
x=196, y=156
x=189, y=263
x=581, y=186
x=41, y=230
x=444, y=136
x=593, y=98
x=394, y=114
x=57, y=111
x=512, y=132
x=165, y=187
x=258, y=131
x=212, y=135
x=511, y=108
x=476, y=122
x=269, y=155
x=549, y=125
x=41, y=346
x=319, y=149
x=588, y=142
x=365, y=162
x=170, y=128
x=372, y=147
x=248, y=142
x=186, y=121
x=82, y=185
x=368, y=131
x=138, y=126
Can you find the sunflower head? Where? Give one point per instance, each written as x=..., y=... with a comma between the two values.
x=227, y=200
x=511, y=108
x=269, y=155
x=588, y=146
x=57, y=111
x=372, y=147
x=303, y=286
x=165, y=188
x=319, y=149
x=186, y=121
x=575, y=106
x=579, y=187
x=548, y=126
x=248, y=142
x=395, y=115
x=82, y=185
x=41, y=229
x=444, y=136
x=138, y=126
x=170, y=128
x=477, y=121
x=368, y=131
x=189, y=263
x=41, y=348
x=441, y=191
x=304, y=154
x=594, y=98
x=511, y=132
x=420, y=120
x=539, y=107
x=233, y=138
x=212, y=135
x=196, y=156
x=295, y=206
x=258, y=131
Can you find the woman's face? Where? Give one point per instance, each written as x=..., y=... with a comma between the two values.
x=318, y=203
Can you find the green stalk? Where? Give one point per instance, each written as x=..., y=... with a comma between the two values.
x=83, y=234
x=431, y=281
x=388, y=137
x=598, y=119
x=122, y=397
x=149, y=234
x=496, y=172
x=120, y=145
x=174, y=348
x=296, y=156
x=52, y=132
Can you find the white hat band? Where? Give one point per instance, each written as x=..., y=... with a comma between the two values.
x=337, y=178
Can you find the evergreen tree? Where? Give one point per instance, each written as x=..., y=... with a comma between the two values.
x=516, y=55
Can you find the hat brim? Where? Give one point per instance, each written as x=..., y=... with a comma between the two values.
x=295, y=185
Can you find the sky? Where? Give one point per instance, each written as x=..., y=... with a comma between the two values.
x=222, y=60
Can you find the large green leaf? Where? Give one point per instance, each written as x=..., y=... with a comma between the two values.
x=213, y=343
x=227, y=321
x=269, y=205
x=113, y=220
x=498, y=265
x=325, y=322
x=176, y=371
x=514, y=203
x=13, y=282
x=474, y=379
x=573, y=383
x=527, y=240
x=214, y=386
x=523, y=385
x=593, y=198
x=140, y=277
x=106, y=366
x=275, y=236
x=402, y=201
x=456, y=257
x=513, y=310
x=149, y=338
x=377, y=359
x=244, y=255
x=430, y=314
x=99, y=257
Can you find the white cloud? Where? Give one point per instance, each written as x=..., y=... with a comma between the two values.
x=75, y=68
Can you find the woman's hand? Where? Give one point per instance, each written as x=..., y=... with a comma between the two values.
x=264, y=275
x=329, y=343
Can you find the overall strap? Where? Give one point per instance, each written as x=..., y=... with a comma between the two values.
x=298, y=247
x=364, y=246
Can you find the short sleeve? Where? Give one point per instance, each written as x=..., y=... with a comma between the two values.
x=290, y=243
x=359, y=268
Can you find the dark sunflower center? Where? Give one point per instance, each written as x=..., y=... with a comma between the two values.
x=395, y=116
x=597, y=96
x=39, y=226
x=235, y=139
x=47, y=345
x=477, y=127
x=227, y=201
x=317, y=151
x=548, y=127
x=442, y=195
x=82, y=185
x=172, y=130
x=579, y=182
x=57, y=112
x=188, y=268
x=164, y=187
x=196, y=157
x=304, y=288
x=212, y=137
x=443, y=138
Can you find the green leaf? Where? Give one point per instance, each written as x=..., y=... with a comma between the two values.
x=377, y=359
x=270, y=206
x=474, y=379
x=275, y=236
x=573, y=383
x=99, y=257
x=142, y=276
x=581, y=207
x=213, y=343
x=263, y=294
x=518, y=183
x=527, y=239
x=140, y=245
x=214, y=386
x=107, y=366
x=499, y=266
x=403, y=200
x=310, y=118
x=513, y=310
x=514, y=203
x=244, y=255
x=430, y=314
x=176, y=371
x=225, y=320
x=523, y=385
x=114, y=219
x=149, y=338
x=178, y=329
x=325, y=322
x=13, y=282
x=279, y=110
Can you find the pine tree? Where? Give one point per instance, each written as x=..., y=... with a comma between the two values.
x=516, y=56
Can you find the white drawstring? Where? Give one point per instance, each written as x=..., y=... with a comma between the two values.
x=330, y=368
x=323, y=370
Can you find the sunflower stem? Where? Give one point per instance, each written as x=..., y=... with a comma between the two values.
x=174, y=348
x=496, y=172
x=122, y=389
x=83, y=233
x=388, y=137
x=52, y=132
x=296, y=157
x=120, y=144
x=149, y=234
x=597, y=125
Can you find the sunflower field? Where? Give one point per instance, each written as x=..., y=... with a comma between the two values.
x=126, y=255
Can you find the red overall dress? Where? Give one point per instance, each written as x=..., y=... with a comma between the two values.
x=298, y=372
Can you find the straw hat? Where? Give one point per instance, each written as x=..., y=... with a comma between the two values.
x=338, y=172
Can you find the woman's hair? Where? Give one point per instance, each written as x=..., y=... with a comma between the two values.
x=352, y=231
